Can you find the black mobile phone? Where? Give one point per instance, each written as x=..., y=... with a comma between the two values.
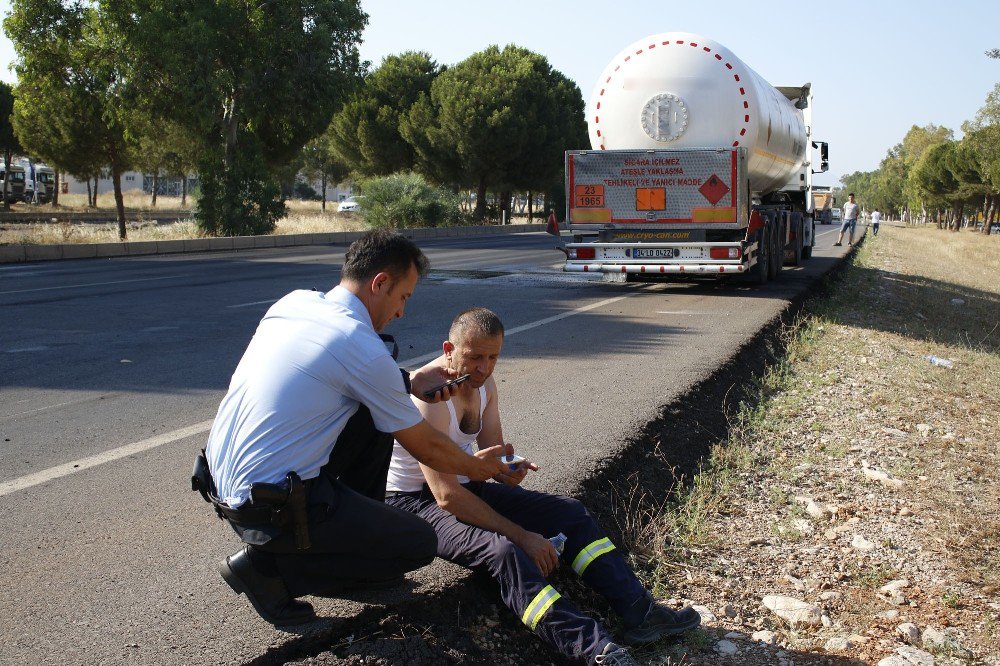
x=453, y=382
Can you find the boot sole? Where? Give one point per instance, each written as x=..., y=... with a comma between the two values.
x=239, y=587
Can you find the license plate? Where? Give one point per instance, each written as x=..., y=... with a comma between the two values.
x=654, y=253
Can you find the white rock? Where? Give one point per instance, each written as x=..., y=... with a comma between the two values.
x=890, y=614
x=894, y=660
x=894, y=586
x=914, y=656
x=909, y=632
x=794, y=611
x=706, y=615
x=905, y=511
x=764, y=636
x=879, y=476
x=862, y=544
x=738, y=635
x=838, y=644
x=934, y=638
x=830, y=596
x=802, y=525
x=957, y=301
x=817, y=510
x=726, y=648
x=827, y=622
x=923, y=429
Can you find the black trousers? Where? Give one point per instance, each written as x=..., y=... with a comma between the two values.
x=354, y=536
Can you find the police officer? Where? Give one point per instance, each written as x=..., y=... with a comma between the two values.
x=298, y=454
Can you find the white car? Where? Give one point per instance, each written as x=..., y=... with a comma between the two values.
x=348, y=205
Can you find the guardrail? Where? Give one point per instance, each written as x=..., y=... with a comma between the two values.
x=10, y=254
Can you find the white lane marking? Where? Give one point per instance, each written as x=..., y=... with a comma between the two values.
x=246, y=305
x=158, y=329
x=20, y=483
x=21, y=350
x=688, y=312
x=46, y=408
x=827, y=232
x=89, y=284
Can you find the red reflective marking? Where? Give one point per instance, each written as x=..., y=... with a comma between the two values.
x=706, y=49
x=642, y=269
x=586, y=269
x=743, y=131
x=617, y=68
x=735, y=143
x=746, y=119
x=623, y=269
x=718, y=57
x=627, y=58
x=728, y=66
x=607, y=80
x=598, y=105
x=651, y=46
x=598, y=133
x=638, y=52
x=682, y=269
x=737, y=77
x=666, y=42
x=602, y=91
x=722, y=269
x=746, y=105
x=694, y=45
x=597, y=119
x=743, y=92
x=680, y=41
x=663, y=269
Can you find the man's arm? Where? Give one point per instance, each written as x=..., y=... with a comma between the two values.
x=434, y=449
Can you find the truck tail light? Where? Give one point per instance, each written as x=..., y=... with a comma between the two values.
x=724, y=253
x=582, y=253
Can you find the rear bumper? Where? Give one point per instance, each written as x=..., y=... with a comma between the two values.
x=654, y=269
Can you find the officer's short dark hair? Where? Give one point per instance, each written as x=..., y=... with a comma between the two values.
x=478, y=322
x=851, y=194
x=382, y=251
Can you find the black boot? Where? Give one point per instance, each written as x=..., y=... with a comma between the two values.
x=267, y=593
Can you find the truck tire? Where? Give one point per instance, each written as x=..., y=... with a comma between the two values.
x=776, y=249
x=796, y=249
x=807, y=250
x=760, y=272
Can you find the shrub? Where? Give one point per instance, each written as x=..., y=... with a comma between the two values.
x=405, y=200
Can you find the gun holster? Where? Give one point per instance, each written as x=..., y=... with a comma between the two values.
x=288, y=503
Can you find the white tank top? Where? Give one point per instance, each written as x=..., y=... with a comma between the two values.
x=404, y=470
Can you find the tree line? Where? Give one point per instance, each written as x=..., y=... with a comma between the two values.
x=244, y=92
x=932, y=177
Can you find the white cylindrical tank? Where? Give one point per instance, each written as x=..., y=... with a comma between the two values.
x=681, y=90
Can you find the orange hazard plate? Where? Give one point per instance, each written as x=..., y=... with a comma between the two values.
x=589, y=196
x=650, y=198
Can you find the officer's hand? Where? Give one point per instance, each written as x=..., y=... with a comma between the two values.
x=540, y=550
x=487, y=464
x=428, y=378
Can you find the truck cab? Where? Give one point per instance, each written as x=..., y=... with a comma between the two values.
x=14, y=181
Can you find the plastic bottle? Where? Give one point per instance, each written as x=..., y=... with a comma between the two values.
x=559, y=541
x=943, y=362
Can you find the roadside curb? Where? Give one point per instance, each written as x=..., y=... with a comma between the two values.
x=14, y=254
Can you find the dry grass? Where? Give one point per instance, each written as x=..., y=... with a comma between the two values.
x=856, y=390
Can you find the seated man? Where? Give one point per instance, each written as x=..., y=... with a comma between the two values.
x=504, y=529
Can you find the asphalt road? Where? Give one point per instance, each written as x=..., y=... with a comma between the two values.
x=111, y=371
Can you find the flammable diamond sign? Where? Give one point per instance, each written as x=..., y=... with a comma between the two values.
x=713, y=189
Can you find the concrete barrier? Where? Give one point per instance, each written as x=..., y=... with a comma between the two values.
x=22, y=253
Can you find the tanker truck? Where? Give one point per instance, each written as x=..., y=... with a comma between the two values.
x=697, y=167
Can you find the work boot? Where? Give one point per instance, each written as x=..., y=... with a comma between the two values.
x=661, y=621
x=615, y=655
x=268, y=594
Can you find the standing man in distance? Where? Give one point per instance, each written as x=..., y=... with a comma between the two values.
x=300, y=447
x=851, y=211
x=876, y=220
x=503, y=529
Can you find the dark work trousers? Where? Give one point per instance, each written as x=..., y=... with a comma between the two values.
x=354, y=536
x=522, y=586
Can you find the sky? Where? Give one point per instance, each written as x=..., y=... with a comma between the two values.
x=877, y=67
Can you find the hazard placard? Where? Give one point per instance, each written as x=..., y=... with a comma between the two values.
x=714, y=189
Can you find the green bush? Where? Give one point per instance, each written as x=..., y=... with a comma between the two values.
x=405, y=200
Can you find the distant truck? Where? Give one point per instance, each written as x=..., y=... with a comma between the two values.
x=40, y=181
x=13, y=182
x=823, y=204
x=698, y=167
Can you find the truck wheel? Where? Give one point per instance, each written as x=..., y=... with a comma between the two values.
x=777, y=249
x=796, y=250
x=807, y=250
x=760, y=271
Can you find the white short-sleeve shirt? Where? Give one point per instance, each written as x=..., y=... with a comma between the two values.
x=314, y=358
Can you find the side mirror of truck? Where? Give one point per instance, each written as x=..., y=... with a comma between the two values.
x=824, y=156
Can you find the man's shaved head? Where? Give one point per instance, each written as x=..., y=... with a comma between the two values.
x=475, y=323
